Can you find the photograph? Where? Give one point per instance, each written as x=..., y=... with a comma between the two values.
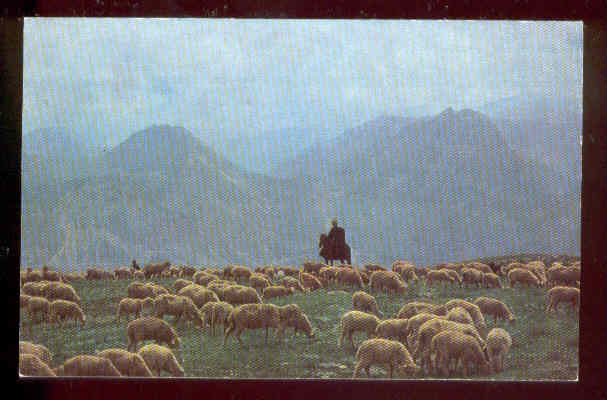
x=307, y=199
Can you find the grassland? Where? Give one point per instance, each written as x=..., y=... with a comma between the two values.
x=545, y=346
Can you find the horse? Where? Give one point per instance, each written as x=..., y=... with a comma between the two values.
x=325, y=251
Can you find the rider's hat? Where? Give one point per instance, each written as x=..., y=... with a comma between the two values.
x=334, y=221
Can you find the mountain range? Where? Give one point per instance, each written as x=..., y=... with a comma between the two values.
x=449, y=186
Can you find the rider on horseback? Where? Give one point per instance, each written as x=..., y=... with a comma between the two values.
x=337, y=238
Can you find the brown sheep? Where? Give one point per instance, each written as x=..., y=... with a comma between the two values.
x=456, y=345
x=127, y=363
x=539, y=269
x=411, y=309
x=523, y=276
x=98, y=274
x=50, y=276
x=72, y=277
x=130, y=306
x=384, y=352
x=187, y=271
x=397, y=265
x=226, y=273
x=354, y=321
x=491, y=280
x=31, y=276
x=498, y=345
x=289, y=271
x=151, y=328
x=364, y=276
x=86, y=365
x=300, y=323
x=484, y=268
x=32, y=365
x=277, y=291
x=312, y=267
x=38, y=350
x=289, y=281
x=362, y=301
x=39, y=305
x=563, y=276
x=139, y=275
x=408, y=274
x=240, y=273
x=123, y=273
x=63, y=309
x=507, y=268
x=393, y=328
x=215, y=313
x=494, y=307
x=155, y=270
x=35, y=288
x=237, y=295
x=199, y=294
x=159, y=358
x=60, y=291
x=259, y=281
x=562, y=294
x=388, y=281
x=473, y=310
x=422, y=272
x=472, y=276
x=455, y=275
x=328, y=273
x=24, y=300
x=178, y=306
x=309, y=281
x=349, y=277
x=459, y=314
x=430, y=328
x=138, y=290
x=180, y=284
x=157, y=290
x=438, y=276
x=253, y=316
x=203, y=278
x=415, y=322
x=370, y=268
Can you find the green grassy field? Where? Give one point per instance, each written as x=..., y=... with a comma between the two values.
x=545, y=346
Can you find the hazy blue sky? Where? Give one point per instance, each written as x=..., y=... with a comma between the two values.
x=114, y=76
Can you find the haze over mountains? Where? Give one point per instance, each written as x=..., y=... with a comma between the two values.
x=448, y=186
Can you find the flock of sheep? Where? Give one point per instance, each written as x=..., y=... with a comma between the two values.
x=421, y=337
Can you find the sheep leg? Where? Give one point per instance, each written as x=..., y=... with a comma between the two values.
x=391, y=370
x=356, y=370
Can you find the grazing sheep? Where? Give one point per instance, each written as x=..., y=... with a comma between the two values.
x=98, y=274
x=253, y=316
x=411, y=309
x=155, y=270
x=159, y=358
x=349, y=277
x=60, y=291
x=498, y=345
x=259, y=281
x=127, y=363
x=178, y=306
x=388, y=281
x=38, y=350
x=456, y=345
x=362, y=301
x=72, y=277
x=34, y=288
x=484, y=268
x=203, y=278
x=454, y=274
x=491, y=280
x=393, y=328
x=237, y=294
x=50, y=276
x=384, y=352
x=422, y=272
x=187, y=271
x=214, y=313
x=355, y=321
x=430, y=328
x=563, y=276
x=312, y=268
x=138, y=290
x=23, y=300
x=300, y=323
x=129, y=306
x=138, y=275
x=370, y=268
x=198, y=294
x=39, y=305
x=562, y=294
x=507, y=268
x=32, y=365
x=523, y=276
x=438, y=276
x=277, y=291
x=123, y=273
x=472, y=276
x=289, y=281
x=473, y=310
x=539, y=269
x=63, y=309
x=414, y=323
x=157, y=290
x=87, y=365
x=494, y=307
x=241, y=273
x=180, y=284
x=309, y=281
x=289, y=271
x=459, y=314
x=364, y=276
x=150, y=328
x=328, y=273
x=31, y=276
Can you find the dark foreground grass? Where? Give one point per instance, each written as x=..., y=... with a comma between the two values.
x=545, y=346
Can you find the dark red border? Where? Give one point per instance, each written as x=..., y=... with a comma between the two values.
x=593, y=346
